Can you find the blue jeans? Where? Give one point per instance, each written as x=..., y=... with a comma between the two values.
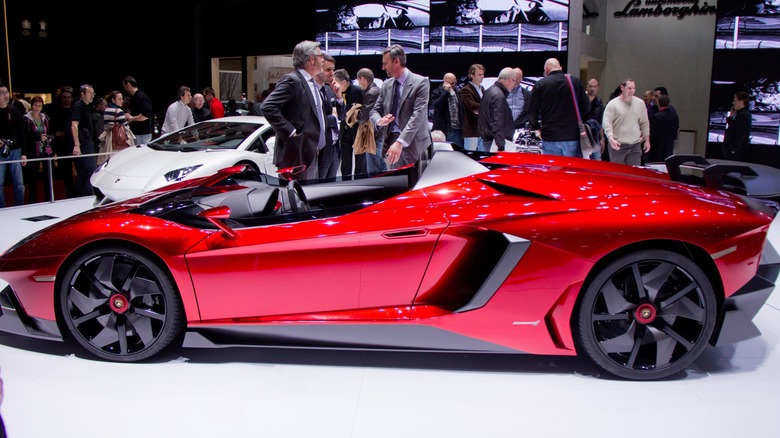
x=472, y=143
x=16, y=177
x=565, y=148
x=455, y=136
x=143, y=138
x=85, y=167
x=375, y=163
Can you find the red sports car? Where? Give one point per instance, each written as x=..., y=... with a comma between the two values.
x=516, y=253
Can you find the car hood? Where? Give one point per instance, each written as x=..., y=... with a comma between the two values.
x=144, y=162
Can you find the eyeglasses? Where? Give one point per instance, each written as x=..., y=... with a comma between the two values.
x=3, y=92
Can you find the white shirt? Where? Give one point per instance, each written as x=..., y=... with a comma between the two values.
x=178, y=116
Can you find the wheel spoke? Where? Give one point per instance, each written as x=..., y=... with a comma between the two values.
x=638, y=341
x=141, y=287
x=610, y=317
x=685, y=308
x=84, y=303
x=121, y=331
x=95, y=314
x=130, y=277
x=108, y=335
x=664, y=346
x=614, y=299
x=669, y=331
x=142, y=325
x=621, y=343
x=637, y=276
x=654, y=280
x=683, y=292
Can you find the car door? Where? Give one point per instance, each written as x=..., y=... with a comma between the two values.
x=363, y=260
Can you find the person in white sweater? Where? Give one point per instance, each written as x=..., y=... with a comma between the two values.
x=626, y=126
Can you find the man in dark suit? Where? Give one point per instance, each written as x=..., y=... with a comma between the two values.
x=406, y=133
x=332, y=105
x=664, y=125
x=294, y=110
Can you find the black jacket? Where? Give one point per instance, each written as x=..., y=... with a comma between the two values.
x=12, y=127
x=495, y=116
x=347, y=135
x=552, y=109
x=441, y=109
x=663, y=130
x=736, y=141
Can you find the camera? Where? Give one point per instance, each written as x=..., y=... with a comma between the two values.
x=6, y=151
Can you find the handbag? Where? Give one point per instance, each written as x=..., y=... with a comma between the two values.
x=118, y=135
x=587, y=142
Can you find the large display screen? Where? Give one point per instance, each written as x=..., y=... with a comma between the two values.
x=747, y=38
x=354, y=27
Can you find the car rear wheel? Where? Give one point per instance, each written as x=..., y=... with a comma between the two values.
x=120, y=305
x=647, y=315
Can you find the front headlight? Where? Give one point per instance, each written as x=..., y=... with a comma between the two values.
x=179, y=174
x=101, y=167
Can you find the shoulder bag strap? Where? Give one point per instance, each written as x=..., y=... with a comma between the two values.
x=574, y=99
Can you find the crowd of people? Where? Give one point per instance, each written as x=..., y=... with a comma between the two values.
x=81, y=131
x=326, y=122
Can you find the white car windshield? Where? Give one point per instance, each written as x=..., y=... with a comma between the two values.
x=206, y=135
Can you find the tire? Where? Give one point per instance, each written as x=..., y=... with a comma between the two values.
x=120, y=305
x=647, y=315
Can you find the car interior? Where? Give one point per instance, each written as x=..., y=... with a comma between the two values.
x=258, y=203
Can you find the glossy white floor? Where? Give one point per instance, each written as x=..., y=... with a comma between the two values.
x=730, y=391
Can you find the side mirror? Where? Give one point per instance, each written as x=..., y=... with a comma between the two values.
x=216, y=215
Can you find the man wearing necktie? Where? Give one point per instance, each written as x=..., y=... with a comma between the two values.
x=294, y=110
x=332, y=105
x=405, y=143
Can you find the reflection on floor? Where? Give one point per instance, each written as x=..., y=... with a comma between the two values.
x=233, y=392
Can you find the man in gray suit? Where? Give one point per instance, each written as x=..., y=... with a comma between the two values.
x=294, y=110
x=406, y=134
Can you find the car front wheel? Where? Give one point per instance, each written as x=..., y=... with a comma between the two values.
x=120, y=305
x=647, y=315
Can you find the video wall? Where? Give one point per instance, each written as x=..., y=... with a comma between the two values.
x=357, y=27
x=747, y=43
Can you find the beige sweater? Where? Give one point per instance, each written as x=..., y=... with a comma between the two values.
x=626, y=123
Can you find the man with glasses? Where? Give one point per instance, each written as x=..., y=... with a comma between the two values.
x=294, y=110
x=496, y=125
x=11, y=146
x=83, y=132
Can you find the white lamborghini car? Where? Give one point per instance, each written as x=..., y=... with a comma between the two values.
x=194, y=151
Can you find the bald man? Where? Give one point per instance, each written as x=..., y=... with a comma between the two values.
x=518, y=100
x=448, y=110
x=553, y=112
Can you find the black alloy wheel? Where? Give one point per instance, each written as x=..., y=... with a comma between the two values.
x=120, y=305
x=647, y=315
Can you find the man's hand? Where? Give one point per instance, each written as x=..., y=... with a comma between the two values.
x=394, y=152
x=614, y=143
x=647, y=145
x=386, y=120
